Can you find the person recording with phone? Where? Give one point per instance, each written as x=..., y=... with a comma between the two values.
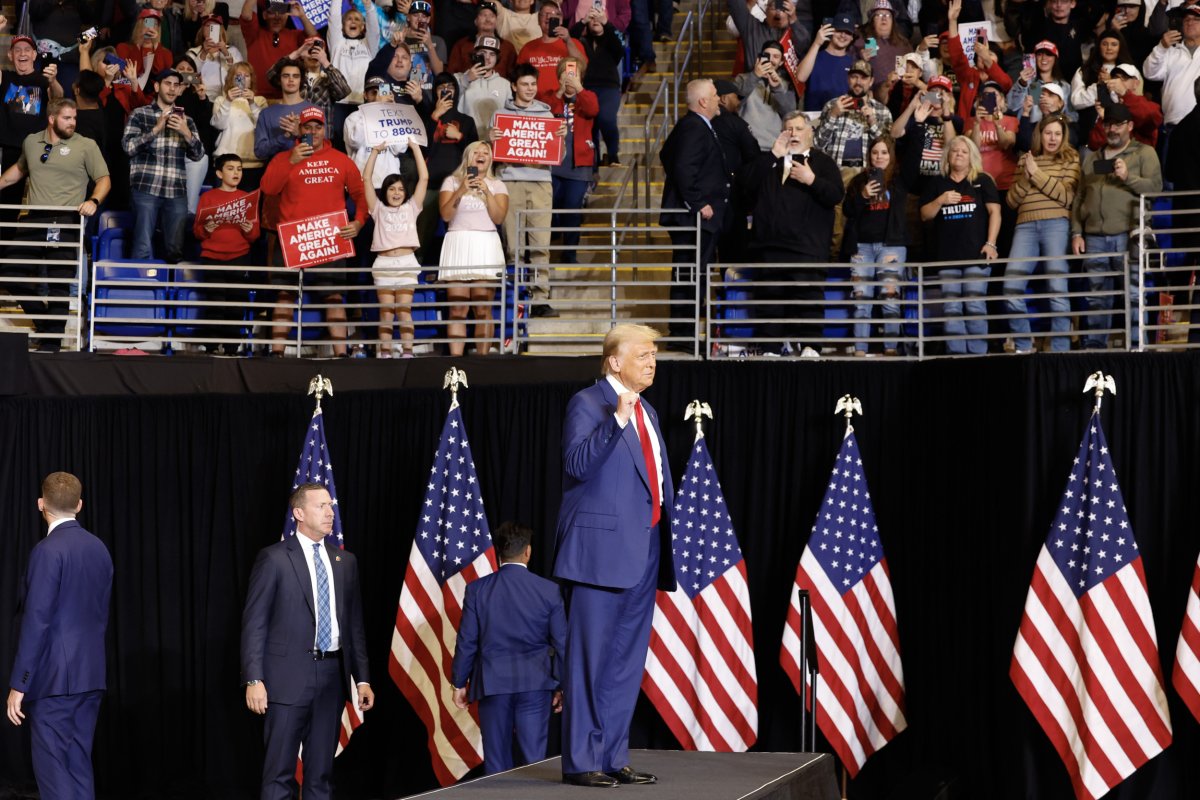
x=994, y=132
x=570, y=179
x=766, y=95
x=27, y=92
x=544, y=54
x=269, y=38
x=1173, y=61
x=199, y=108
x=605, y=54
x=876, y=239
x=779, y=17
x=1124, y=87
x=1106, y=209
x=160, y=139
x=463, y=51
x=828, y=60
x=145, y=48
x=483, y=90
x=235, y=115
x=450, y=133
x=213, y=55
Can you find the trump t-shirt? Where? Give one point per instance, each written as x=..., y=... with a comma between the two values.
x=960, y=229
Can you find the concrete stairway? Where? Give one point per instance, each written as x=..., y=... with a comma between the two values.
x=585, y=310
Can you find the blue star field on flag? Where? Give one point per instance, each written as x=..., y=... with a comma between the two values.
x=1091, y=537
x=701, y=531
x=452, y=530
x=316, y=467
x=845, y=539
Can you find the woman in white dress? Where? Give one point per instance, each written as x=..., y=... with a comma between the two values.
x=472, y=202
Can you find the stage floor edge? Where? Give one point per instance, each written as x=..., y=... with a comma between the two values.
x=681, y=774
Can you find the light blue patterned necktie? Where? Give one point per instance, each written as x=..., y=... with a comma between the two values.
x=324, y=626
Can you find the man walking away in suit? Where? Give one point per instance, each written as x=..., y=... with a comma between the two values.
x=510, y=642
x=58, y=675
x=696, y=179
x=613, y=551
x=302, y=638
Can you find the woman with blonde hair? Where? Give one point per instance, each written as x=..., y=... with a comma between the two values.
x=146, y=49
x=962, y=206
x=1042, y=194
x=472, y=202
x=213, y=55
x=235, y=114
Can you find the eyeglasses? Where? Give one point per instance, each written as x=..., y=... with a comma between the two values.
x=46, y=153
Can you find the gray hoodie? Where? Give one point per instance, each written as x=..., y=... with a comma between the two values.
x=525, y=172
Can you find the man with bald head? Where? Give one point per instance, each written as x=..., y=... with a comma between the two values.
x=613, y=552
x=696, y=181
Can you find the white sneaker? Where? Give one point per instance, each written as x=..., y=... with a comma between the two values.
x=808, y=352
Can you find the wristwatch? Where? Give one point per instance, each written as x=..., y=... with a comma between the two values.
x=252, y=683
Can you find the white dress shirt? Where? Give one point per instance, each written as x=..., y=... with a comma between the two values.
x=620, y=390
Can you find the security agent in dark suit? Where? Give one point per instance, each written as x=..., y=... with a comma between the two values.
x=510, y=644
x=302, y=639
x=613, y=552
x=697, y=180
x=58, y=675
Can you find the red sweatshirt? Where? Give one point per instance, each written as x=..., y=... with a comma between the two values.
x=587, y=107
x=227, y=242
x=317, y=185
x=1147, y=118
x=969, y=79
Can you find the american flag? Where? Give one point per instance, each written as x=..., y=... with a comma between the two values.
x=700, y=671
x=1086, y=658
x=316, y=467
x=1186, y=676
x=860, y=696
x=452, y=547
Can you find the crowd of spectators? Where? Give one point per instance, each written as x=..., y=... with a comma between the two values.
x=959, y=131
x=873, y=132
x=203, y=103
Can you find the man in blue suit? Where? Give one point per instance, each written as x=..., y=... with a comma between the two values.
x=58, y=676
x=613, y=551
x=302, y=639
x=510, y=642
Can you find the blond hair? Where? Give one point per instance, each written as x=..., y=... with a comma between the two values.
x=619, y=335
x=468, y=155
x=976, y=159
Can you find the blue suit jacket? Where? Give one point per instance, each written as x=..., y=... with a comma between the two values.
x=512, y=635
x=65, y=613
x=279, y=623
x=604, y=520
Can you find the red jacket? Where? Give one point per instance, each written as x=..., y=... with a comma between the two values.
x=317, y=185
x=969, y=79
x=163, y=59
x=1147, y=118
x=587, y=107
x=228, y=241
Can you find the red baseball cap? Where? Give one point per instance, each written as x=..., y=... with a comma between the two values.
x=312, y=114
x=1046, y=46
x=149, y=12
x=22, y=38
x=942, y=81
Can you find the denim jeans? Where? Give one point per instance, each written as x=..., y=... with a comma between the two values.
x=568, y=196
x=1098, y=243
x=648, y=18
x=1047, y=238
x=862, y=269
x=975, y=287
x=606, y=121
x=147, y=209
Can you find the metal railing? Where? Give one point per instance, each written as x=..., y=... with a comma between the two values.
x=27, y=273
x=279, y=310
x=1166, y=262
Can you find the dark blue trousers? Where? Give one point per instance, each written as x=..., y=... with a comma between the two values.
x=523, y=715
x=61, y=729
x=608, y=633
x=314, y=721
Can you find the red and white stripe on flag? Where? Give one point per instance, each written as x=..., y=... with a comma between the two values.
x=1087, y=666
x=1186, y=675
x=700, y=671
x=860, y=693
x=420, y=663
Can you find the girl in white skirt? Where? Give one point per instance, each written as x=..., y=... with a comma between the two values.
x=473, y=202
x=396, y=268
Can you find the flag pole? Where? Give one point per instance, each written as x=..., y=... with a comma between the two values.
x=320, y=386
x=1098, y=382
x=454, y=378
x=698, y=410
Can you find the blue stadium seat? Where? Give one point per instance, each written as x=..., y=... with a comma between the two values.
x=151, y=280
x=119, y=221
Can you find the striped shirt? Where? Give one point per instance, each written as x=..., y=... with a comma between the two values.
x=1049, y=194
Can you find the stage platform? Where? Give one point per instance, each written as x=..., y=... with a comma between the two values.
x=690, y=775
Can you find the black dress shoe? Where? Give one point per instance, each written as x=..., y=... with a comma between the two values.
x=597, y=779
x=627, y=774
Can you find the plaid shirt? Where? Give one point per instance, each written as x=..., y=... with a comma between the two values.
x=834, y=132
x=156, y=160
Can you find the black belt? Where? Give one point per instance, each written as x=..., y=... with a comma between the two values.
x=853, y=162
x=321, y=655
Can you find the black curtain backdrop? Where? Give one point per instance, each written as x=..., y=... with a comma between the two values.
x=966, y=461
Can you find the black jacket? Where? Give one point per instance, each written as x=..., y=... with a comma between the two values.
x=790, y=216
x=696, y=174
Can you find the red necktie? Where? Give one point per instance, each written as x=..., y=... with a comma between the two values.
x=651, y=470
